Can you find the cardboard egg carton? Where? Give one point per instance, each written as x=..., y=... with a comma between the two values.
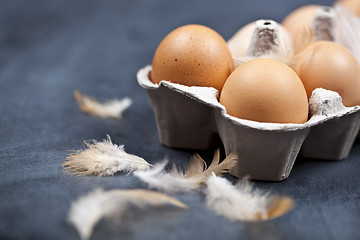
x=193, y=118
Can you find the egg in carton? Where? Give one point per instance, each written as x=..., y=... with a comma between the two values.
x=192, y=118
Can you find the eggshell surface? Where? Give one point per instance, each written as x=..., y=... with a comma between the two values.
x=265, y=90
x=192, y=55
x=352, y=5
x=329, y=65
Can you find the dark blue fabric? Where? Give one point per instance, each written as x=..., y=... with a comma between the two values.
x=50, y=48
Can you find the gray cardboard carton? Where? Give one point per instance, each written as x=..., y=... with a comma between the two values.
x=183, y=121
x=332, y=140
x=265, y=153
x=333, y=137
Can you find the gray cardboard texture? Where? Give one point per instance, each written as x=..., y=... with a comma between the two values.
x=333, y=139
x=182, y=122
x=324, y=24
x=263, y=154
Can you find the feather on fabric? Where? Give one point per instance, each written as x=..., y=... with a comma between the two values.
x=194, y=176
x=89, y=209
x=241, y=202
x=110, y=109
x=103, y=159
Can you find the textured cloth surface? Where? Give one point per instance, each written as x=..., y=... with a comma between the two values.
x=50, y=48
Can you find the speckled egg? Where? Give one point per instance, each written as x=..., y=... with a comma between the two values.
x=192, y=55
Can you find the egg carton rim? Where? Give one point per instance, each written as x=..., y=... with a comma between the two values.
x=191, y=92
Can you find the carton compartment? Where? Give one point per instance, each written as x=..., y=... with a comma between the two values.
x=184, y=115
x=333, y=139
x=263, y=154
x=182, y=122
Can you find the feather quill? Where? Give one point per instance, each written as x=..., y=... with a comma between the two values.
x=103, y=159
x=241, y=202
x=110, y=109
x=98, y=204
x=194, y=176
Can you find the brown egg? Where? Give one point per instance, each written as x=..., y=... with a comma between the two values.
x=353, y=5
x=329, y=65
x=265, y=90
x=192, y=55
x=299, y=21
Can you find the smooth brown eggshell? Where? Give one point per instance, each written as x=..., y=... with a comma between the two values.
x=298, y=23
x=329, y=65
x=352, y=5
x=192, y=55
x=265, y=90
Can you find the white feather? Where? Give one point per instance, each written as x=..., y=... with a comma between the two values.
x=239, y=202
x=243, y=202
x=103, y=159
x=193, y=177
x=158, y=178
x=89, y=209
x=110, y=109
x=348, y=26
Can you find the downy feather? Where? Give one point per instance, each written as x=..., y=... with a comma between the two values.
x=283, y=55
x=110, y=109
x=241, y=202
x=103, y=159
x=193, y=177
x=89, y=209
x=348, y=27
